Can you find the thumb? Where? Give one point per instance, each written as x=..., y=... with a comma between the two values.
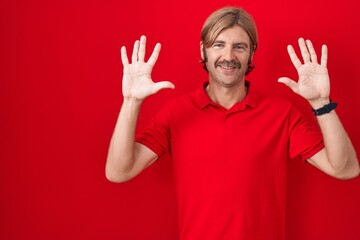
x=162, y=85
x=290, y=83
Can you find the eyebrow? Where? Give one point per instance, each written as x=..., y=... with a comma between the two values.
x=235, y=44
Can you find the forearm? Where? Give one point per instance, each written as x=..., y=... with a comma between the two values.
x=121, y=152
x=339, y=150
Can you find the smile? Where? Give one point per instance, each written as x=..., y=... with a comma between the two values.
x=228, y=65
x=227, y=68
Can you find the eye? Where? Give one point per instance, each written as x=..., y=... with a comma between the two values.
x=218, y=45
x=240, y=47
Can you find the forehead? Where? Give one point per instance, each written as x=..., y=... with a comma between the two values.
x=235, y=34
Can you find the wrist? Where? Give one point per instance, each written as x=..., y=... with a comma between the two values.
x=326, y=108
x=319, y=103
x=132, y=102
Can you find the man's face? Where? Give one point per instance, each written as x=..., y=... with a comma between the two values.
x=228, y=57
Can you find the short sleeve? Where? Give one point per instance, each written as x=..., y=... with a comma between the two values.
x=157, y=135
x=305, y=136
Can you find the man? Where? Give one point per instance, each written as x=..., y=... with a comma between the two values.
x=229, y=142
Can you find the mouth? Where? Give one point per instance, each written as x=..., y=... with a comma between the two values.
x=228, y=66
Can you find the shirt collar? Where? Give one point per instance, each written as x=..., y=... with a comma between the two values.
x=202, y=99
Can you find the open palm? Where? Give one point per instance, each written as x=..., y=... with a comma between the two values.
x=137, y=83
x=313, y=82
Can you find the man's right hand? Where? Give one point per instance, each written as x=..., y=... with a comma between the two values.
x=137, y=83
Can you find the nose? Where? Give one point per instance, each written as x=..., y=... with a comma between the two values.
x=229, y=54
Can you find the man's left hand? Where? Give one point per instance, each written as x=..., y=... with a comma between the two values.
x=313, y=83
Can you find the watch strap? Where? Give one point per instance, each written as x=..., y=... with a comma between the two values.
x=325, y=109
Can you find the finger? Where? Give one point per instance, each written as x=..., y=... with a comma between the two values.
x=293, y=57
x=141, y=54
x=324, y=55
x=124, y=58
x=134, y=57
x=290, y=83
x=304, y=51
x=162, y=85
x=313, y=56
x=155, y=54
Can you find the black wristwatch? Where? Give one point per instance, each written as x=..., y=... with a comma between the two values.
x=325, y=109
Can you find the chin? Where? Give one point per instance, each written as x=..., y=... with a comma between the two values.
x=230, y=83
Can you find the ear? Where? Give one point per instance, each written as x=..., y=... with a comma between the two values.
x=202, y=50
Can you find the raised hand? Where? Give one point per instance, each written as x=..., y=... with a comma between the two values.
x=313, y=83
x=137, y=83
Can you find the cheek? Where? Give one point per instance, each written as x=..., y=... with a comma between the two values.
x=244, y=59
x=210, y=58
x=214, y=61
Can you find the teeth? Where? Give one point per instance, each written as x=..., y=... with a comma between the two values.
x=228, y=68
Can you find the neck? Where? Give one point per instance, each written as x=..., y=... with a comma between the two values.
x=226, y=96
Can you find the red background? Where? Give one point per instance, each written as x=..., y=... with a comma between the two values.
x=60, y=93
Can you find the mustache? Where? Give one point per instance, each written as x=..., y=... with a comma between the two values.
x=226, y=63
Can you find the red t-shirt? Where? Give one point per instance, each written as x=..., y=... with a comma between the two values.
x=230, y=165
